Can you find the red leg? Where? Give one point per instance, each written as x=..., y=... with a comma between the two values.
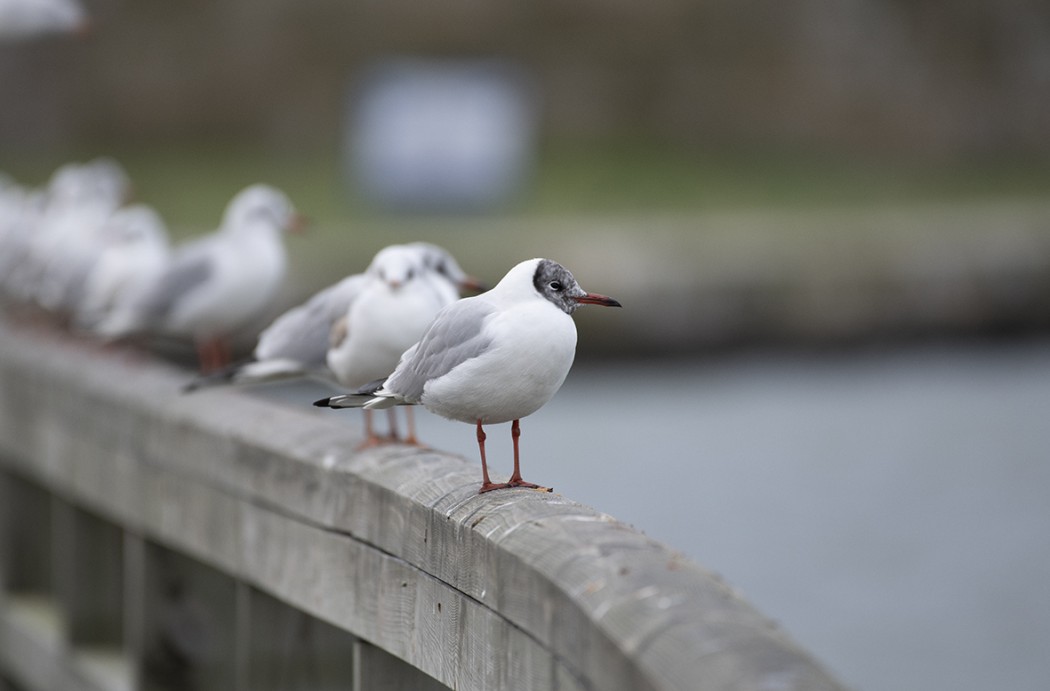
x=222, y=352
x=410, y=422
x=373, y=439
x=486, y=484
x=370, y=434
x=515, y=478
x=206, y=355
x=391, y=417
x=212, y=353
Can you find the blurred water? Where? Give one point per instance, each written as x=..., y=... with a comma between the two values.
x=891, y=510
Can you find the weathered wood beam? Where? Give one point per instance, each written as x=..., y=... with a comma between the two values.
x=513, y=589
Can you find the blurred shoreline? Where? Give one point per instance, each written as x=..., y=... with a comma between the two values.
x=709, y=281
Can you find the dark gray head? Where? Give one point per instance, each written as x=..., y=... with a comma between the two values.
x=554, y=282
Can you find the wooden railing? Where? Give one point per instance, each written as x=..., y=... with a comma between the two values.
x=154, y=540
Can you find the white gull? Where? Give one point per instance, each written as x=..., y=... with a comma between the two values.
x=215, y=285
x=135, y=249
x=406, y=287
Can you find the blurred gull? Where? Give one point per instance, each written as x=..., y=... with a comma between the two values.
x=78, y=201
x=492, y=358
x=20, y=210
x=135, y=250
x=215, y=285
x=26, y=19
x=78, y=183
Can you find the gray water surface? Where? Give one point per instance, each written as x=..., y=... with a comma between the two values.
x=891, y=510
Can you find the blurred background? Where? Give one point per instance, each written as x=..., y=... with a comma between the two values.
x=829, y=226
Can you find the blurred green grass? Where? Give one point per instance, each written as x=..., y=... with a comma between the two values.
x=190, y=183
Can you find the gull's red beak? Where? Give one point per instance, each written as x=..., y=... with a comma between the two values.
x=85, y=27
x=596, y=299
x=298, y=224
x=473, y=285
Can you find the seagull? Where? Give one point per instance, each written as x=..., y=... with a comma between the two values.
x=492, y=358
x=78, y=201
x=20, y=210
x=135, y=248
x=26, y=19
x=215, y=285
x=406, y=287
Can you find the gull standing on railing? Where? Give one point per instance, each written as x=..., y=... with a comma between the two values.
x=406, y=287
x=134, y=248
x=63, y=241
x=492, y=358
x=217, y=284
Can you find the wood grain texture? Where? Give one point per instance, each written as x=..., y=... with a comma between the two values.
x=511, y=589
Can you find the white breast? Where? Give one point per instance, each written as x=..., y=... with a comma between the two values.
x=532, y=348
x=245, y=279
x=382, y=323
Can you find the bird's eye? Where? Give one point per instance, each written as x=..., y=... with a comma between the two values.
x=556, y=286
x=411, y=273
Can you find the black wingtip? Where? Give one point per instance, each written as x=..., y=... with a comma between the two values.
x=324, y=403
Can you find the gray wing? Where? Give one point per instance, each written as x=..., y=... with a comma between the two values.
x=454, y=337
x=186, y=271
x=301, y=333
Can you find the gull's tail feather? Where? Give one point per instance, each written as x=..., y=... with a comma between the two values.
x=368, y=396
x=347, y=400
x=361, y=399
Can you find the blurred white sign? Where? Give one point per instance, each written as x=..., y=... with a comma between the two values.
x=441, y=135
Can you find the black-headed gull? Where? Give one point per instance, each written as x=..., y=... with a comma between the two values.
x=215, y=285
x=496, y=357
